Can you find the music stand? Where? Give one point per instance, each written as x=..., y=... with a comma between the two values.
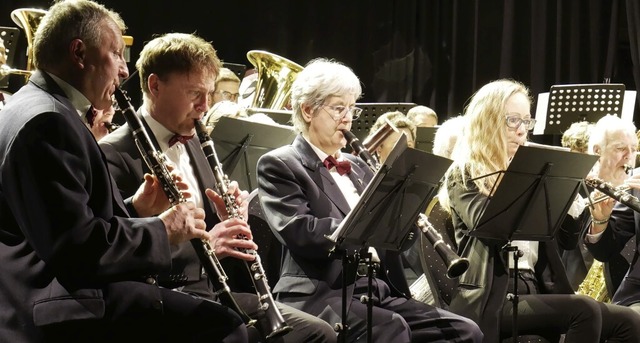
x=533, y=197
x=399, y=191
x=425, y=137
x=585, y=102
x=371, y=112
x=236, y=68
x=240, y=143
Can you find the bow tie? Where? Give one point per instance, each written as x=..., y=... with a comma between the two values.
x=179, y=138
x=90, y=116
x=342, y=167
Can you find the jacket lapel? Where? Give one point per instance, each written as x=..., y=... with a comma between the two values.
x=319, y=174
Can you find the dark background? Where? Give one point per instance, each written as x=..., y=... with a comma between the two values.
x=431, y=52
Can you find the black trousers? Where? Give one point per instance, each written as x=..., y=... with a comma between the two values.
x=580, y=318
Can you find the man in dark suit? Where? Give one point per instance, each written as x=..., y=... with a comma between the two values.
x=75, y=266
x=178, y=73
x=305, y=199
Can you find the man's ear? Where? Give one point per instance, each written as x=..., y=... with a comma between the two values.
x=153, y=82
x=307, y=112
x=78, y=52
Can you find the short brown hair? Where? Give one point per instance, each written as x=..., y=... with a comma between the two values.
x=176, y=52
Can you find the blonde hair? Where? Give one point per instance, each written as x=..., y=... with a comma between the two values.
x=576, y=137
x=482, y=149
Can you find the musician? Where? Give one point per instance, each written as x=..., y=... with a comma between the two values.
x=400, y=122
x=227, y=87
x=75, y=266
x=99, y=121
x=612, y=224
x=303, y=201
x=177, y=76
x=423, y=116
x=3, y=52
x=447, y=136
x=497, y=121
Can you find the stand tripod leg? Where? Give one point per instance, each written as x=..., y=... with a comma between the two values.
x=514, y=297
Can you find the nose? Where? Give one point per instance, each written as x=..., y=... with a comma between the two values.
x=123, y=71
x=202, y=103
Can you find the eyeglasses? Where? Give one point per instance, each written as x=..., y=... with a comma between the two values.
x=228, y=96
x=339, y=112
x=514, y=122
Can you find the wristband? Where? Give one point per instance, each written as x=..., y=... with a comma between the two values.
x=599, y=222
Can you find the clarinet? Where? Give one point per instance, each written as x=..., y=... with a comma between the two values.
x=617, y=193
x=276, y=322
x=157, y=163
x=456, y=265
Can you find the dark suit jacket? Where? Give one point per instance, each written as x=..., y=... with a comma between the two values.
x=302, y=204
x=128, y=168
x=624, y=224
x=482, y=289
x=65, y=235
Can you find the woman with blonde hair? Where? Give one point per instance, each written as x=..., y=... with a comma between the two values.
x=497, y=121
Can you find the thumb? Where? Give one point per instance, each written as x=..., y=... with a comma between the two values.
x=148, y=183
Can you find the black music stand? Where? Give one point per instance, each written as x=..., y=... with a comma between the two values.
x=371, y=112
x=399, y=191
x=585, y=102
x=240, y=143
x=425, y=137
x=533, y=197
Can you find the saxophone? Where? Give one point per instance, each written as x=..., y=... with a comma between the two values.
x=594, y=285
x=276, y=322
x=156, y=161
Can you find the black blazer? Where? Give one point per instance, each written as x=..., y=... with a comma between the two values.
x=302, y=203
x=67, y=245
x=624, y=224
x=482, y=289
x=128, y=168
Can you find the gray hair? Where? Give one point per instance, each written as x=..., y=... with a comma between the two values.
x=320, y=79
x=66, y=21
x=604, y=127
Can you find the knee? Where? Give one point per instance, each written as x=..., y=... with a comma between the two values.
x=585, y=308
x=325, y=332
x=470, y=331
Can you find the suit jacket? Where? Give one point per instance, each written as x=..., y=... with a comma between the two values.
x=67, y=244
x=482, y=289
x=128, y=168
x=624, y=224
x=302, y=203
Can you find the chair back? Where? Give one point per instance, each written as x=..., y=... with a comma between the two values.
x=269, y=248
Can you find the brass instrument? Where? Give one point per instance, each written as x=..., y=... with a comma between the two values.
x=594, y=285
x=277, y=325
x=456, y=265
x=273, y=86
x=156, y=161
x=28, y=19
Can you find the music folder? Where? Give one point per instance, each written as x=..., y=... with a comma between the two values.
x=390, y=204
x=534, y=195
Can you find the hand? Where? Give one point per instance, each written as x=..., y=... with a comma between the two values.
x=150, y=199
x=230, y=235
x=601, y=211
x=241, y=197
x=101, y=117
x=633, y=181
x=184, y=222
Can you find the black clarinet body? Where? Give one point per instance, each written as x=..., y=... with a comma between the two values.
x=276, y=323
x=617, y=193
x=156, y=161
x=456, y=265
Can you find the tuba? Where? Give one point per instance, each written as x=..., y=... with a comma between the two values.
x=273, y=86
x=27, y=19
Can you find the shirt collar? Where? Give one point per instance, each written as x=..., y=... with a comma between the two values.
x=321, y=154
x=161, y=133
x=78, y=100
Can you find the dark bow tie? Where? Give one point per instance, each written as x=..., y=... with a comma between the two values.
x=90, y=116
x=179, y=138
x=342, y=167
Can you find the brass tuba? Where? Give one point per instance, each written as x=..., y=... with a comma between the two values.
x=27, y=19
x=273, y=87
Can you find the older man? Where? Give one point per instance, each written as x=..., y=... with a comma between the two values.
x=75, y=266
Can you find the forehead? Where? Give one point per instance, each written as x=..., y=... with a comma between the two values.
x=110, y=34
x=346, y=99
x=518, y=103
x=621, y=137
x=193, y=79
x=230, y=86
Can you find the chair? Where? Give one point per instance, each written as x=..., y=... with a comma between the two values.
x=269, y=248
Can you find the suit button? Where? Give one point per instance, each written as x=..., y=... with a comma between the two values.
x=151, y=280
x=157, y=305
